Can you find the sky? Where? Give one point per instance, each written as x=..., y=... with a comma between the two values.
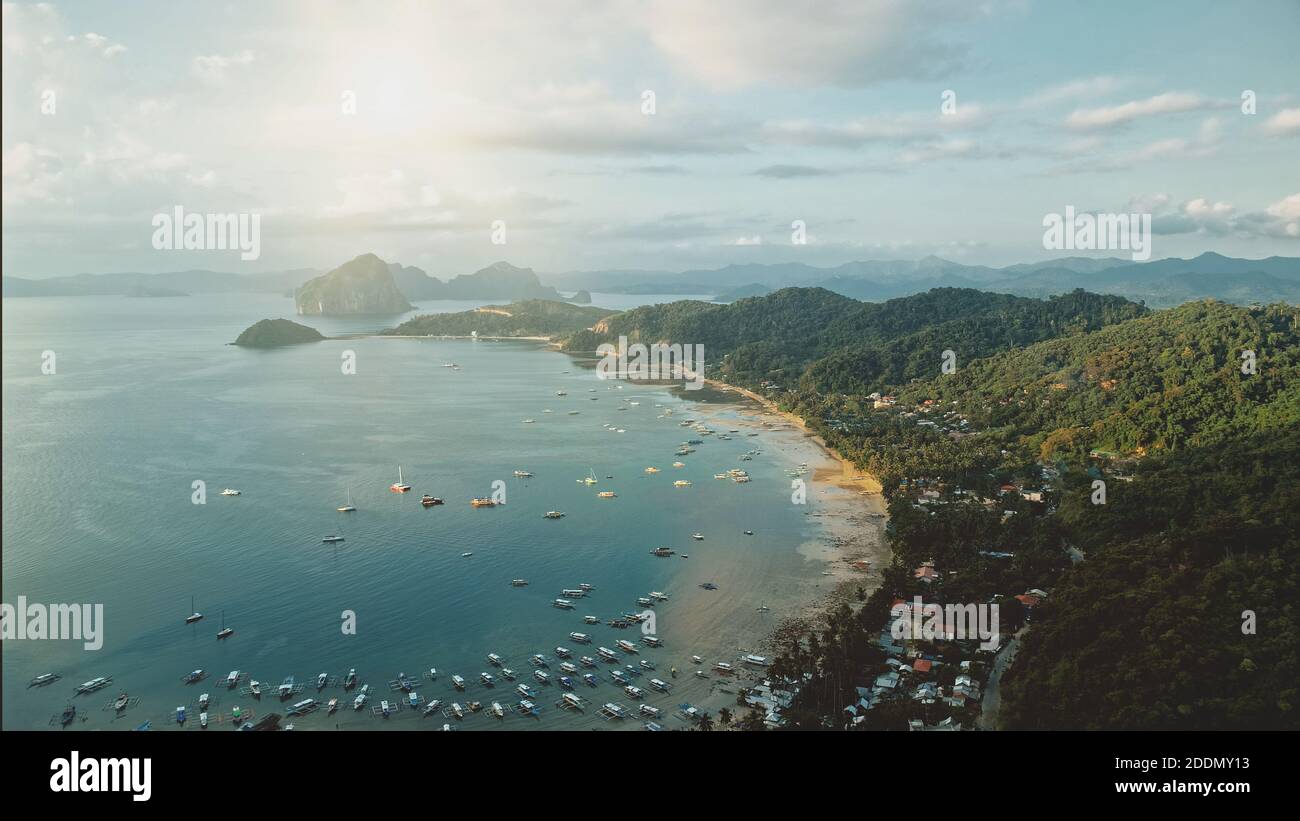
x=661, y=134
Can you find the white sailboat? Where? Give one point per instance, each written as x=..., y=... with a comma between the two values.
x=348, y=508
x=399, y=486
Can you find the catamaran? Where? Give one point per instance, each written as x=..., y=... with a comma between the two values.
x=399, y=486
x=194, y=614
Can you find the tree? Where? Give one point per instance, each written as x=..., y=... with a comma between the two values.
x=724, y=716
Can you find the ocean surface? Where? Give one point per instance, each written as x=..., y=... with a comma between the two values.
x=101, y=457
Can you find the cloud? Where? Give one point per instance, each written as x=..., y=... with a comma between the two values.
x=729, y=44
x=896, y=129
x=1207, y=217
x=786, y=172
x=1284, y=123
x=1112, y=116
x=213, y=68
x=1087, y=87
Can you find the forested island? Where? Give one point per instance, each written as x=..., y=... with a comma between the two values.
x=274, y=333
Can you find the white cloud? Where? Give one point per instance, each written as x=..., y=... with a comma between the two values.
x=1088, y=87
x=1111, y=116
x=213, y=68
x=1284, y=123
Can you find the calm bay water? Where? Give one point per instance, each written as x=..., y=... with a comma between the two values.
x=99, y=461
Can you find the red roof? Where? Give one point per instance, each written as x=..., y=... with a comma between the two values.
x=922, y=665
x=1028, y=600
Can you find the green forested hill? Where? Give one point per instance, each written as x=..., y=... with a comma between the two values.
x=1146, y=633
x=532, y=317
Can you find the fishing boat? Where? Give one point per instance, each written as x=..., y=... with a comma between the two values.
x=286, y=687
x=255, y=687
x=626, y=646
x=645, y=602
x=649, y=710
x=482, y=501
x=538, y=660
x=203, y=701
x=563, y=604
x=331, y=539
x=230, y=491
x=457, y=710
x=488, y=679
x=332, y=706
x=619, y=676
x=203, y=719
x=359, y=701
x=349, y=507
x=496, y=710
x=591, y=679
x=193, y=676
x=384, y=708
x=399, y=486
x=567, y=666
x=570, y=700
x=699, y=537
x=507, y=674
x=565, y=682
x=646, y=664
x=542, y=676
x=432, y=707
x=494, y=659
x=430, y=501
x=526, y=691
x=120, y=703
x=413, y=699
x=573, y=593
x=580, y=638
x=563, y=652
x=404, y=684
x=321, y=680
x=590, y=620
x=634, y=692
x=458, y=682
x=661, y=686
x=553, y=514
x=523, y=474
x=615, y=710
x=350, y=680
x=225, y=632
x=194, y=615
x=587, y=661
x=607, y=654
x=519, y=582
x=44, y=679
x=652, y=641
x=94, y=684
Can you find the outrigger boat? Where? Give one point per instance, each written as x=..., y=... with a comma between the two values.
x=563, y=604
x=590, y=620
x=494, y=659
x=591, y=679
x=587, y=661
x=519, y=582
x=332, y=539
x=44, y=679
x=482, y=501
x=332, y=706
x=203, y=701
x=255, y=687
x=507, y=674
x=626, y=646
x=488, y=679
x=432, y=707
x=563, y=652
x=526, y=691
x=542, y=676
x=580, y=638
x=120, y=704
x=94, y=684
x=553, y=514
x=458, y=682
x=286, y=687
x=321, y=680
x=193, y=676
x=350, y=680
x=496, y=709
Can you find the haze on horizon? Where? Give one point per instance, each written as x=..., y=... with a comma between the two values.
x=763, y=113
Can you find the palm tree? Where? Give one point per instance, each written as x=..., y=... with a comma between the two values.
x=724, y=716
x=706, y=722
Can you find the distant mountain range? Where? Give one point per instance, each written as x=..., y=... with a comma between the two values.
x=1160, y=283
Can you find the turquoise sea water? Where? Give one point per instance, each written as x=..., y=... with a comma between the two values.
x=99, y=461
